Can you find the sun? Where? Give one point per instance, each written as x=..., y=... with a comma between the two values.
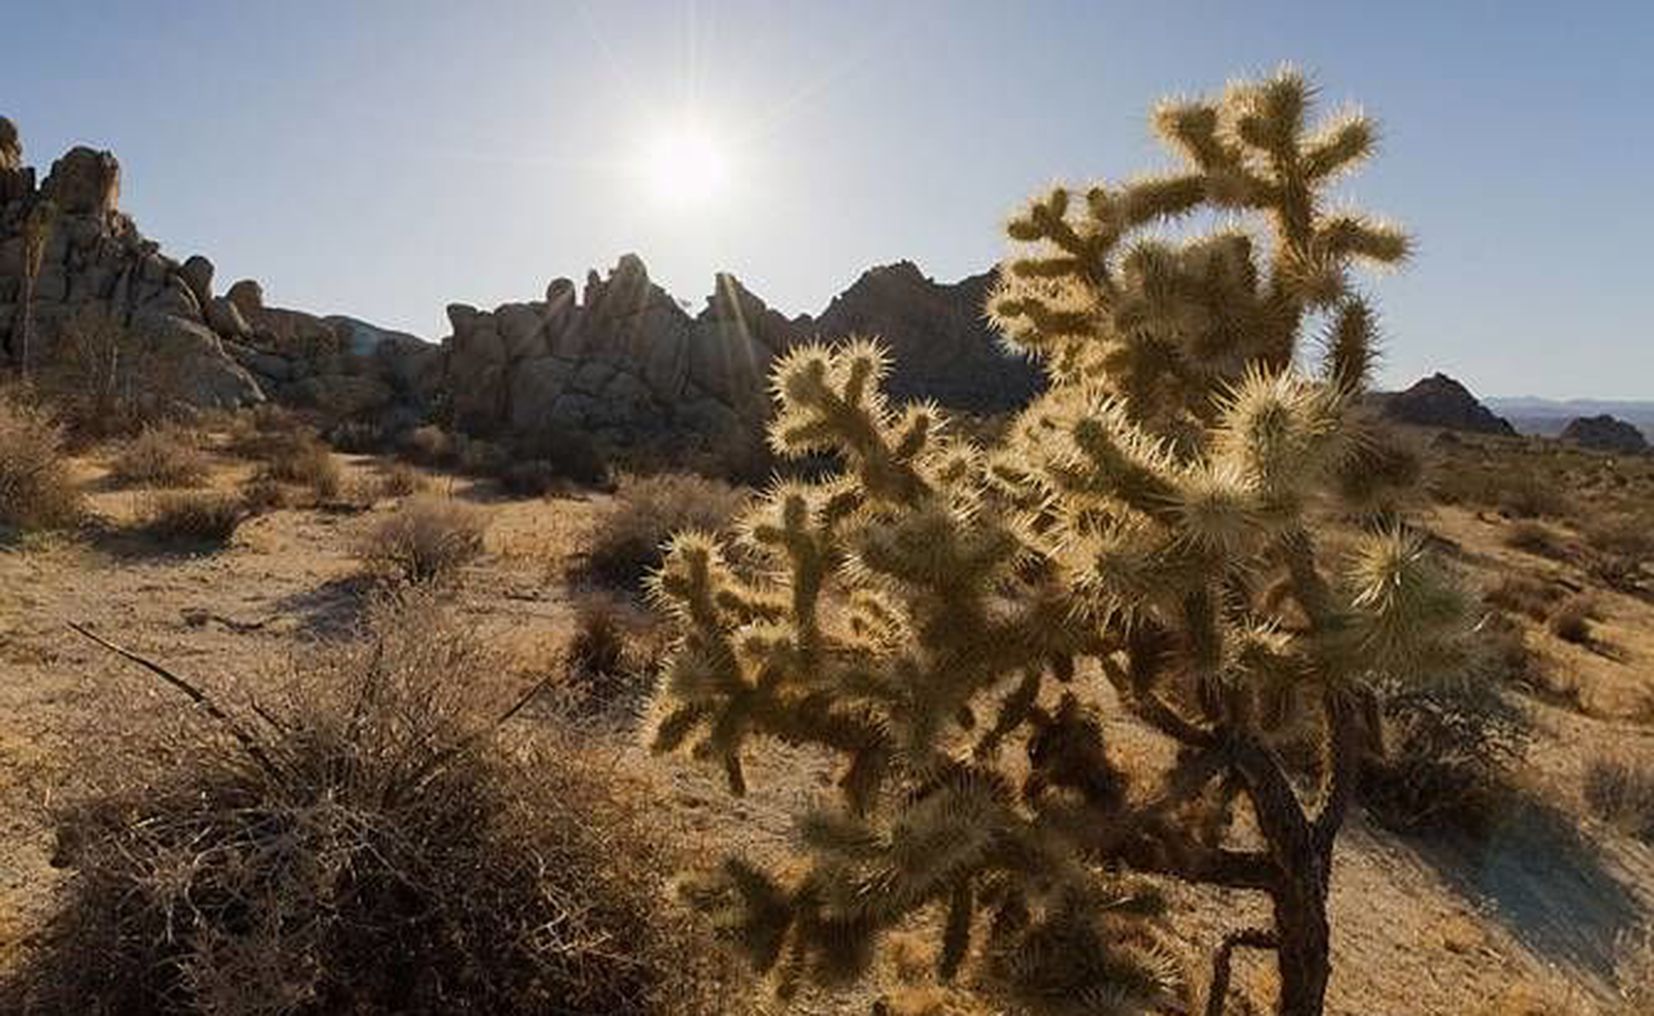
x=685, y=167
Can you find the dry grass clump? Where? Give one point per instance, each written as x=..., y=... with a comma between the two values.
x=1620, y=790
x=1571, y=620
x=194, y=516
x=427, y=539
x=1534, y=538
x=383, y=840
x=400, y=480
x=259, y=432
x=429, y=445
x=262, y=493
x=1523, y=594
x=613, y=655
x=162, y=456
x=626, y=543
x=37, y=488
x=303, y=459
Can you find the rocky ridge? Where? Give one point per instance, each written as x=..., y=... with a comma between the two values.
x=617, y=359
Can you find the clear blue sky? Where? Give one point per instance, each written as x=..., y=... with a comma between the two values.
x=383, y=159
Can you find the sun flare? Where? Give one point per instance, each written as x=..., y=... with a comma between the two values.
x=685, y=167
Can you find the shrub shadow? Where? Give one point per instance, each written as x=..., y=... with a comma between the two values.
x=334, y=608
x=1546, y=883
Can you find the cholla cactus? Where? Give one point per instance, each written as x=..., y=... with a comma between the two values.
x=955, y=621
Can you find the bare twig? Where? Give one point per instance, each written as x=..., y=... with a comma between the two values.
x=426, y=772
x=194, y=694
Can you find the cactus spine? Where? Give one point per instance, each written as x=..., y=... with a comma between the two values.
x=956, y=621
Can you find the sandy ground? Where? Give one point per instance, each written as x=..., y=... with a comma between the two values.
x=1419, y=928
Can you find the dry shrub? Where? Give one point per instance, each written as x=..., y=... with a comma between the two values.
x=1635, y=974
x=400, y=480
x=1619, y=544
x=303, y=459
x=105, y=378
x=1620, y=790
x=530, y=478
x=1533, y=537
x=626, y=543
x=427, y=539
x=1524, y=496
x=477, y=457
x=263, y=493
x=194, y=517
x=357, y=437
x=1522, y=594
x=612, y=657
x=163, y=456
x=37, y=487
x=1571, y=620
x=1448, y=752
x=258, y=433
x=429, y=445
x=565, y=453
x=390, y=843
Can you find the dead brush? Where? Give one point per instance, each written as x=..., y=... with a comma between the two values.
x=1571, y=620
x=1620, y=791
x=37, y=487
x=194, y=517
x=426, y=539
x=301, y=458
x=376, y=838
x=162, y=456
x=611, y=658
x=400, y=480
x=629, y=538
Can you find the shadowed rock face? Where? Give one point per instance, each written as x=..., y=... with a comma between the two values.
x=1605, y=433
x=1440, y=401
x=939, y=338
x=96, y=262
x=626, y=364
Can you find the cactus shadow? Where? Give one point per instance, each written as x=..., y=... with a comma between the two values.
x=1547, y=884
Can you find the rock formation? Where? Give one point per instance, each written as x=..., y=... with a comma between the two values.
x=620, y=362
x=1440, y=401
x=96, y=262
x=1605, y=433
x=617, y=360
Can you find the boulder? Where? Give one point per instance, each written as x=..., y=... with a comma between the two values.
x=11, y=145
x=225, y=318
x=211, y=379
x=84, y=181
x=1607, y=434
x=196, y=271
x=248, y=296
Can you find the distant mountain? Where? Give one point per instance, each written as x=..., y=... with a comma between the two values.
x=1440, y=401
x=1547, y=417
